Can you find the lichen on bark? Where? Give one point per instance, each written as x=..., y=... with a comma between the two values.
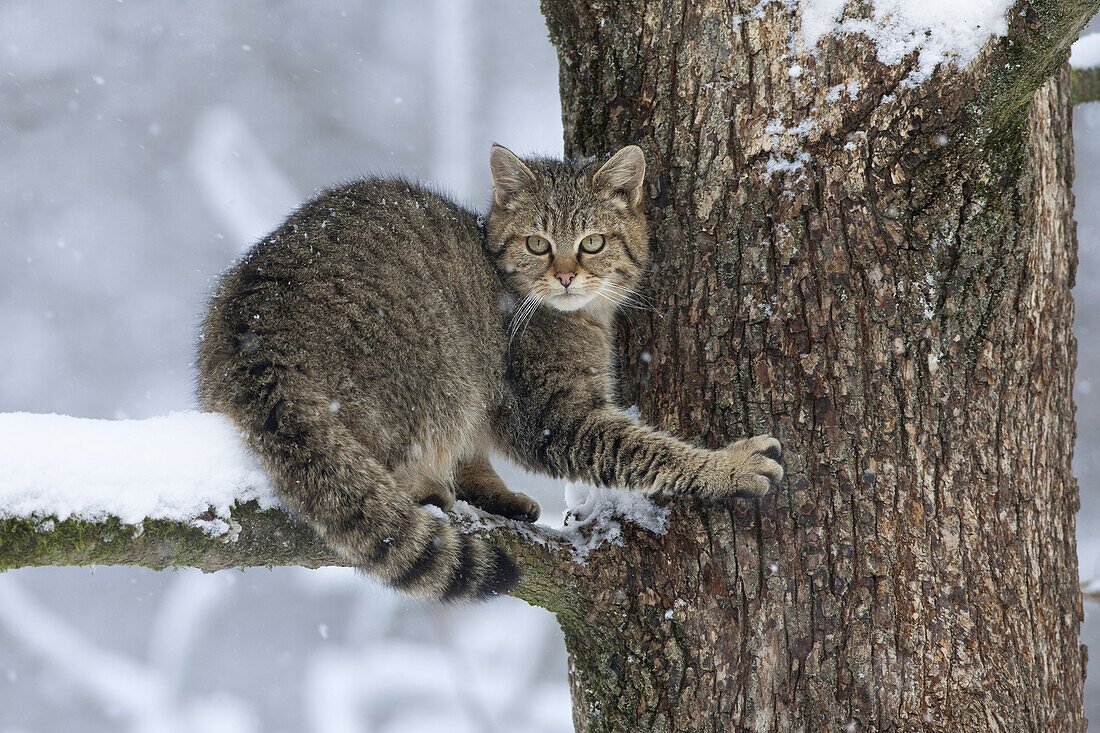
x=863, y=276
x=257, y=538
x=882, y=280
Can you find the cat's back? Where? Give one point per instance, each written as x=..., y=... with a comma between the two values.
x=375, y=239
x=377, y=293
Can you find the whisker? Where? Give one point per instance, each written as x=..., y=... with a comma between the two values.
x=621, y=300
x=523, y=314
x=515, y=313
x=623, y=289
x=531, y=315
x=626, y=304
x=613, y=301
x=634, y=306
x=633, y=299
x=528, y=302
x=630, y=292
x=525, y=318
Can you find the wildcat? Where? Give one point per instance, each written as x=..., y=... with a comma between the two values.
x=376, y=346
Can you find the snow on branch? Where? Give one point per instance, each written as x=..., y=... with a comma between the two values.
x=187, y=467
x=172, y=491
x=182, y=490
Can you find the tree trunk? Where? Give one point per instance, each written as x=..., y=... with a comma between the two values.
x=878, y=273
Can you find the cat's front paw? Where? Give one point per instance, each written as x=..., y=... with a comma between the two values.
x=751, y=466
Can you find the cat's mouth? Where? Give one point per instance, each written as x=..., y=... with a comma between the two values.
x=571, y=300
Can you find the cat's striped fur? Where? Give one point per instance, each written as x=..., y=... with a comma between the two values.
x=380, y=342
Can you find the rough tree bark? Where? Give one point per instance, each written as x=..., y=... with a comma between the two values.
x=878, y=274
x=882, y=280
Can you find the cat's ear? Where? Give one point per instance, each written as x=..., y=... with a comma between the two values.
x=623, y=174
x=510, y=174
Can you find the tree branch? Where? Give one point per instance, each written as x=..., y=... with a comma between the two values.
x=256, y=538
x=1085, y=85
x=263, y=538
x=1037, y=44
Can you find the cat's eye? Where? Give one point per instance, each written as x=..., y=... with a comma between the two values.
x=592, y=244
x=537, y=245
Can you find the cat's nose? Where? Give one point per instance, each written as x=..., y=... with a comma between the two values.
x=566, y=278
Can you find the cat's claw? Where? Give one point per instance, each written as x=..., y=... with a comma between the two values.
x=518, y=507
x=508, y=504
x=756, y=469
x=530, y=516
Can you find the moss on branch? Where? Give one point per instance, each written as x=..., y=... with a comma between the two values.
x=257, y=538
x=1085, y=85
x=260, y=538
x=1036, y=45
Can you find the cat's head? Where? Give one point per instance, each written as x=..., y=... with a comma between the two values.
x=570, y=234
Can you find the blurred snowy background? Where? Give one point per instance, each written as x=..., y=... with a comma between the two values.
x=143, y=145
x=1086, y=325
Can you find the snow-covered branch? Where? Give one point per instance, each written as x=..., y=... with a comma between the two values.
x=254, y=537
x=183, y=491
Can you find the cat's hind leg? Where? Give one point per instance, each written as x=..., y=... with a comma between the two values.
x=431, y=491
x=479, y=484
x=425, y=486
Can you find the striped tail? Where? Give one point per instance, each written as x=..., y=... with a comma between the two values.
x=330, y=480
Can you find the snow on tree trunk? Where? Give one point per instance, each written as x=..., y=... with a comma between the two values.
x=873, y=263
x=868, y=256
